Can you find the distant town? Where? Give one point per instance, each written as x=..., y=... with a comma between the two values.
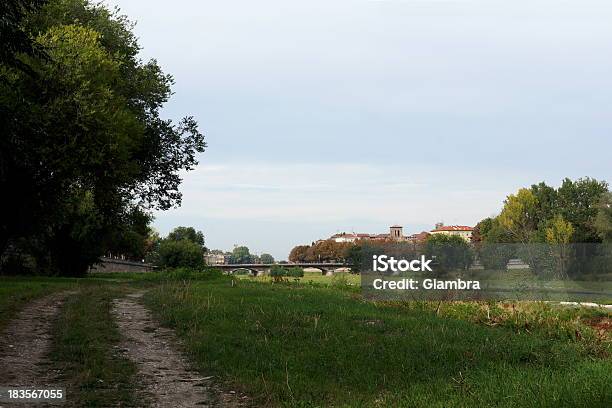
x=396, y=233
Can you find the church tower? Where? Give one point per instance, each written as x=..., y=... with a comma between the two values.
x=396, y=233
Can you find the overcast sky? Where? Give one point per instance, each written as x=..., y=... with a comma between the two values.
x=352, y=115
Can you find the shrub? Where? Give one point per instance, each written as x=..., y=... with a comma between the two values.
x=496, y=256
x=339, y=280
x=266, y=258
x=449, y=253
x=295, y=272
x=277, y=273
x=183, y=253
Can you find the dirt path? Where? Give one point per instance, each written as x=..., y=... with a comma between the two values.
x=26, y=342
x=165, y=376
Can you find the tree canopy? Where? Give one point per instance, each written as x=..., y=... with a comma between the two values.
x=542, y=213
x=84, y=153
x=240, y=255
x=544, y=221
x=188, y=233
x=266, y=259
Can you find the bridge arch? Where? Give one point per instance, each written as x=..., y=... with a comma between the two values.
x=326, y=268
x=315, y=268
x=249, y=271
x=325, y=271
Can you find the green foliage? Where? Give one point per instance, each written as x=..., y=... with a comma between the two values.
x=189, y=273
x=496, y=256
x=490, y=230
x=603, y=221
x=355, y=256
x=297, y=345
x=548, y=202
x=15, y=292
x=449, y=252
x=573, y=213
x=481, y=230
x=559, y=231
x=15, y=41
x=82, y=120
x=340, y=281
x=240, y=255
x=295, y=272
x=188, y=233
x=85, y=336
x=578, y=204
x=278, y=273
x=183, y=253
x=519, y=214
x=266, y=259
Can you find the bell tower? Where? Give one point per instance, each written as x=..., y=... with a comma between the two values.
x=396, y=232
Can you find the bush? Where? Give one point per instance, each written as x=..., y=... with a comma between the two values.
x=266, y=259
x=277, y=273
x=496, y=256
x=339, y=280
x=448, y=252
x=183, y=253
x=295, y=272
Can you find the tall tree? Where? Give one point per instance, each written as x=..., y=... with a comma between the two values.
x=266, y=259
x=241, y=255
x=578, y=204
x=519, y=215
x=188, y=233
x=547, y=203
x=559, y=231
x=16, y=41
x=603, y=221
x=83, y=121
x=449, y=251
x=559, y=234
x=299, y=253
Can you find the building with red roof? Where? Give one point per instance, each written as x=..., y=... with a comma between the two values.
x=462, y=231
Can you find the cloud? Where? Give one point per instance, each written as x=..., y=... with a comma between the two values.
x=286, y=192
x=271, y=207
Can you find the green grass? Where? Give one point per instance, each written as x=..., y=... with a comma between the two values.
x=316, y=343
x=313, y=277
x=84, y=338
x=15, y=292
x=321, y=345
x=521, y=283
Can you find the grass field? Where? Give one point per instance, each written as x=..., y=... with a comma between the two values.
x=317, y=343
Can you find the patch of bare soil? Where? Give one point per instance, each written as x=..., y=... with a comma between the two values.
x=603, y=326
x=166, y=378
x=26, y=342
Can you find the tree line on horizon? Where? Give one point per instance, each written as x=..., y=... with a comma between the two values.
x=538, y=224
x=184, y=247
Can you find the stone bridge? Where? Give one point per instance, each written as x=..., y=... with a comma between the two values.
x=259, y=269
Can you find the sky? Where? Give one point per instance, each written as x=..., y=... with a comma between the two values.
x=324, y=116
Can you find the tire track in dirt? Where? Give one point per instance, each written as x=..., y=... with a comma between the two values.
x=166, y=378
x=26, y=343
